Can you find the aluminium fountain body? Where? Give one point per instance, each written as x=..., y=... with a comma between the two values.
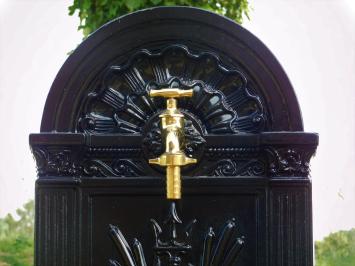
x=247, y=199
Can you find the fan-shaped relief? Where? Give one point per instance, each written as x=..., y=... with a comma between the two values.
x=223, y=100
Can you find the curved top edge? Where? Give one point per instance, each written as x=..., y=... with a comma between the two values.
x=161, y=13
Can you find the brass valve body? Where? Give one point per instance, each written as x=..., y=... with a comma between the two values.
x=172, y=125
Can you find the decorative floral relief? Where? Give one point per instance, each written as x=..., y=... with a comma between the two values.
x=63, y=162
x=116, y=168
x=56, y=161
x=217, y=249
x=289, y=161
x=228, y=167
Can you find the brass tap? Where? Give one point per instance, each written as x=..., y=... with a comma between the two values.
x=172, y=125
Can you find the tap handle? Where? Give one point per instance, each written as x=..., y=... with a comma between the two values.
x=171, y=93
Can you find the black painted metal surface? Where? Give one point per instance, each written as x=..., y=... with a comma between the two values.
x=247, y=201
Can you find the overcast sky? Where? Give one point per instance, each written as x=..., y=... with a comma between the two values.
x=313, y=40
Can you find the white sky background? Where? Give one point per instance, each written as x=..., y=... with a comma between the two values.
x=314, y=40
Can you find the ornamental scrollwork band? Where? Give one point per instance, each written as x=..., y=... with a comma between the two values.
x=272, y=161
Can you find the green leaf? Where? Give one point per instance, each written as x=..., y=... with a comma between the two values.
x=93, y=14
x=16, y=237
x=156, y=2
x=133, y=5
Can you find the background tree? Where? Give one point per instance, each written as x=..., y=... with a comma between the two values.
x=337, y=249
x=94, y=13
x=16, y=237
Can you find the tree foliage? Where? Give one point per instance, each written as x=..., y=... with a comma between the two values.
x=94, y=13
x=337, y=249
x=16, y=237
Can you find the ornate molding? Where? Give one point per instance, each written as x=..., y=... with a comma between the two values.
x=217, y=249
x=82, y=161
x=266, y=154
x=228, y=167
x=271, y=161
x=215, y=153
x=289, y=160
x=55, y=161
x=70, y=161
x=116, y=168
